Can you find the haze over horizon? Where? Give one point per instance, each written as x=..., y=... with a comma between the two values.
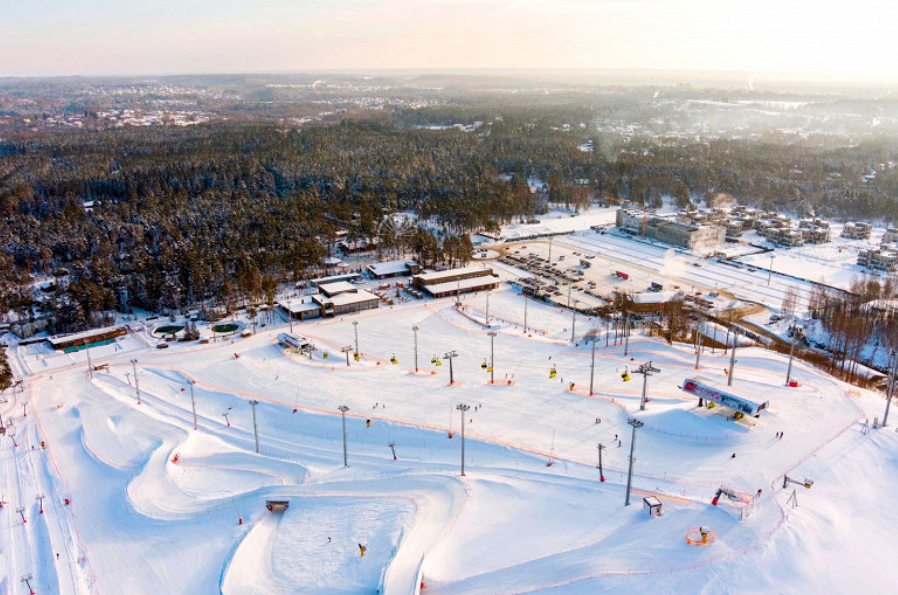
x=836, y=40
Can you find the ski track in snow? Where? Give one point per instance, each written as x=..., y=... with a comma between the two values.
x=513, y=525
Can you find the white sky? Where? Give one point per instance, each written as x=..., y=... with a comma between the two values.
x=851, y=39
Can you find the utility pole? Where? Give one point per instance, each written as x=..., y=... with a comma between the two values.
x=136, y=382
x=346, y=350
x=646, y=370
x=569, y=294
x=601, y=447
x=190, y=383
x=343, y=409
x=525, y=313
x=253, y=404
x=592, y=367
x=450, y=356
x=463, y=409
x=770, y=270
x=789, y=369
x=355, y=324
x=636, y=425
x=885, y=417
x=732, y=359
x=550, y=249
x=492, y=335
x=415, y=330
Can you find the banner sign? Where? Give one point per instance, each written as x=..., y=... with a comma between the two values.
x=715, y=395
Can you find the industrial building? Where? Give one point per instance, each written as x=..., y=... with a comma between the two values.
x=455, y=281
x=677, y=233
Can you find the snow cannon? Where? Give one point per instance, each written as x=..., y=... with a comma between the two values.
x=483, y=366
x=356, y=356
x=553, y=372
x=625, y=377
x=325, y=355
x=393, y=359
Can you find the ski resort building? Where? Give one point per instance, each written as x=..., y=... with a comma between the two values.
x=346, y=302
x=300, y=308
x=392, y=268
x=456, y=281
x=93, y=338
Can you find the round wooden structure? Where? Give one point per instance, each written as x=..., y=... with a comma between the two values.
x=696, y=536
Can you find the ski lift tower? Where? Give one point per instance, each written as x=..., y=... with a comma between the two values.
x=646, y=370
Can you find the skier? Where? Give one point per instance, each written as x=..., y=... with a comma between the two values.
x=734, y=456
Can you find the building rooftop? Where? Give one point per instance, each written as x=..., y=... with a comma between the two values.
x=392, y=267
x=345, y=299
x=452, y=273
x=297, y=305
x=461, y=284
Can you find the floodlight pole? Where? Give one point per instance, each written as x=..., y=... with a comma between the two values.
x=569, y=294
x=450, y=356
x=627, y=335
x=601, y=447
x=636, y=425
x=789, y=369
x=525, y=313
x=90, y=368
x=463, y=409
x=885, y=417
x=492, y=335
x=355, y=324
x=253, y=404
x=592, y=367
x=770, y=270
x=573, y=323
x=550, y=249
x=415, y=331
x=487, y=308
x=732, y=359
x=698, y=348
x=190, y=383
x=343, y=409
x=136, y=382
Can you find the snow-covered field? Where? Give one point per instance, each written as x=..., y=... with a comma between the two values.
x=155, y=506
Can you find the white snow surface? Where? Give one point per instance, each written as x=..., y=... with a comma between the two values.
x=154, y=504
